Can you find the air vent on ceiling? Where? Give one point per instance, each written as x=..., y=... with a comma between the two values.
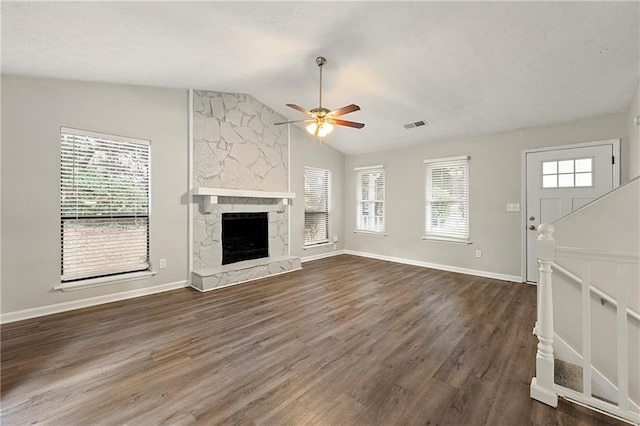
x=416, y=124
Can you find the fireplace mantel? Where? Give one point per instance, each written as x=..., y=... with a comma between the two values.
x=210, y=195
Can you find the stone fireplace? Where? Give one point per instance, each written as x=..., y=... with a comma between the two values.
x=240, y=166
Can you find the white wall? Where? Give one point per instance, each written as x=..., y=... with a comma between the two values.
x=307, y=151
x=633, y=131
x=613, y=224
x=33, y=110
x=612, y=220
x=495, y=179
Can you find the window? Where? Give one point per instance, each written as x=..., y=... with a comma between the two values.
x=316, y=206
x=447, y=199
x=573, y=173
x=104, y=203
x=370, y=196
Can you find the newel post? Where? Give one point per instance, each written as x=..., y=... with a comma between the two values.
x=542, y=383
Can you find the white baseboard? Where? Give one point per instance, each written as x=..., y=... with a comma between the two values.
x=447, y=268
x=601, y=386
x=85, y=303
x=321, y=255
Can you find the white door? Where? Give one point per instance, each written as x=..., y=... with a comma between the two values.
x=559, y=182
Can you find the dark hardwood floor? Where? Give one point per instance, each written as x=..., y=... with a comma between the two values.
x=347, y=340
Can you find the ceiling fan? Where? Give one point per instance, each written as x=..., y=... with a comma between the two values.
x=322, y=119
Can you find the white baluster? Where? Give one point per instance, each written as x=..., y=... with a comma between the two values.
x=542, y=385
x=623, y=348
x=586, y=328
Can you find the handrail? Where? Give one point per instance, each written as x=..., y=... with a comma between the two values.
x=630, y=312
x=608, y=256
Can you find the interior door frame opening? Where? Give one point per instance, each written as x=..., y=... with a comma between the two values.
x=614, y=143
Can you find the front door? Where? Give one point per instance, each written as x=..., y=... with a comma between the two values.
x=560, y=181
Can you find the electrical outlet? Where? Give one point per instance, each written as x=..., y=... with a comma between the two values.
x=513, y=207
x=163, y=263
x=335, y=238
x=478, y=253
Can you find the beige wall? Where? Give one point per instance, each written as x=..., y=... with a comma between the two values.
x=33, y=110
x=633, y=131
x=307, y=151
x=495, y=180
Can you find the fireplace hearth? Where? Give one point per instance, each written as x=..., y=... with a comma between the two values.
x=244, y=236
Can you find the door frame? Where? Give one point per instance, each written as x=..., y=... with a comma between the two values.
x=523, y=188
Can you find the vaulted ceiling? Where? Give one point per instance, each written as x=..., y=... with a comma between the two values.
x=467, y=68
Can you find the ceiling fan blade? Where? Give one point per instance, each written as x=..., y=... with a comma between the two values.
x=344, y=110
x=294, y=121
x=299, y=108
x=346, y=123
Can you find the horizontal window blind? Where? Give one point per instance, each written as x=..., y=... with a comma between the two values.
x=316, y=205
x=447, y=198
x=370, y=198
x=104, y=204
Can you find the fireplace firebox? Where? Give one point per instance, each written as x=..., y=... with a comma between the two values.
x=244, y=236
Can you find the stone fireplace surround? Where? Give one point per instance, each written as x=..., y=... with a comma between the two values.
x=240, y=162
x=210, y=277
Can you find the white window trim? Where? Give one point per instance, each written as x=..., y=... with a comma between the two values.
x=379, y=166
x=442, y=238
x=378, y=234
x=327, y=242
x=312, y=246
x=98, y=135
x=358, y=201
x=446, y=240
x=100, y=281
x=442, y=160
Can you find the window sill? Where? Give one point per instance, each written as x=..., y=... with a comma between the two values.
x=312, y=246
x=378, y=234
x=96, y=282
x=446, y=240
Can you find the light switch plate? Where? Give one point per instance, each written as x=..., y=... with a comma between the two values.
x=513, y=207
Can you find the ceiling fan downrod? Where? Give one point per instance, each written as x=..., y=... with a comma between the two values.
x=320, y=60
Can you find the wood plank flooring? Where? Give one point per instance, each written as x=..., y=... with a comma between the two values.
x=347, y=340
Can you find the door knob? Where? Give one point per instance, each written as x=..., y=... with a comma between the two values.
x=532, y=227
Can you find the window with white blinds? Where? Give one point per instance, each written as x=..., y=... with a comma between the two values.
x=370, y=199
x=447, y=198
x=104, y=204
x=316, y=205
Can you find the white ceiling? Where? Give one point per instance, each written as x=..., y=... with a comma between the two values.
x=466, y=68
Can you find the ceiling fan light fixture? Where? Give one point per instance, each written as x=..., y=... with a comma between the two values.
x=322, y=129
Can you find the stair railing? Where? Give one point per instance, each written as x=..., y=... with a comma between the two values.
x=543, y=386
x=604, y=297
